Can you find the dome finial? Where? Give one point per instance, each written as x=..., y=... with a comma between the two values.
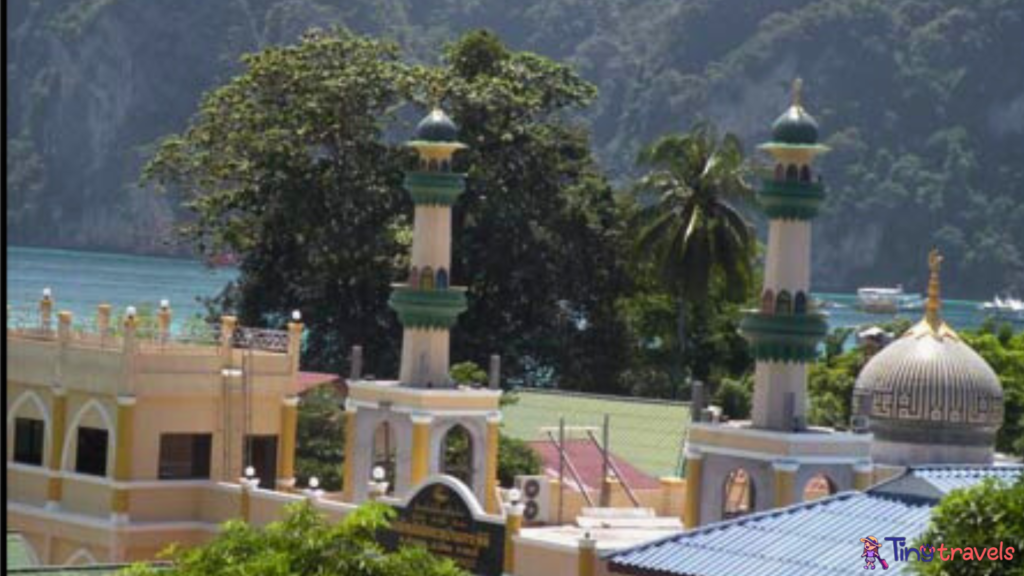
x=797, y=91
x=934, y=302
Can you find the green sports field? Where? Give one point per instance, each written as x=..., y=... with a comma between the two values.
x=647, y=433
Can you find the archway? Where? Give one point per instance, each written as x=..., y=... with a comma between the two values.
x=784, y=303
x=81, y=557
x=792, y=173
x=28, y=430
x=385, y=452
x=740, y=497
x=805, y=174
x=457, y=454
x=91, y=428
x=768, y=302
x=819, y=486
x=800, y=303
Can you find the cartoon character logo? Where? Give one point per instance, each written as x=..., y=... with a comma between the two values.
x=870, y=555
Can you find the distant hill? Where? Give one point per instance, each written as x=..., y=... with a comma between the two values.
x=921, y=100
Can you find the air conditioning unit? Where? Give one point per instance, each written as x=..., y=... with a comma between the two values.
x=536, y=498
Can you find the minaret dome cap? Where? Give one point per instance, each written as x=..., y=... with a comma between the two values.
x=437, y=127
x=795, y=125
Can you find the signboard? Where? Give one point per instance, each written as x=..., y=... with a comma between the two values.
x=443, y=517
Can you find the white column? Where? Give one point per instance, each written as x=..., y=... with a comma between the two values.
x=432, y=233
x=774, y=382
x=424, y=356
x=789, y=256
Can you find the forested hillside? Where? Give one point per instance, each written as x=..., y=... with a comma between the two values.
x=921, y=100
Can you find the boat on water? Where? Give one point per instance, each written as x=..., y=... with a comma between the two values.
x=1006, y=309
x=882, y=300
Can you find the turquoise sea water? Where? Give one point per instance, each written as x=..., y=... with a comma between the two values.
x=82, y=280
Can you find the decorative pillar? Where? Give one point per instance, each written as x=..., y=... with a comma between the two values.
x=228, y=325
x=46, y=311
x=348, y=486
x=127, y=386
x=513, y=524
x=420, y=448
x=289, y=432
x=694, y=470
x=863, y=476
x=245, y=497
x=122, y=457
x=491, y=469
x=587, y=559
x=103, y=320
x=295, y=328
x=785, y=482
x=58, y=422
x=163, y=317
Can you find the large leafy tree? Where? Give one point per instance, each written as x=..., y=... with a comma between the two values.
x=296, y=166
x=691, y=230
x=986, y=515
x=304, y=543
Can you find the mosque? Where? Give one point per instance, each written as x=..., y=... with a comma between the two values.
x=122, y=439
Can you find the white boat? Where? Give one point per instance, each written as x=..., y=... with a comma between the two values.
x=1008, y=309
x=887, y=300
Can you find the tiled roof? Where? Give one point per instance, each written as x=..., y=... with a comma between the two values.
x=306, y=381
x=586, y=457
x=648, y=433
x=812, y=538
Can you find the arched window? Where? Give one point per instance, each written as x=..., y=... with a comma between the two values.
x=457, y=454
x=442, y=279
x=28, y=425
x=90, y=440
x=427, y=278
x=784, y=303
x=423, y=164
x=739, y=498
x=800, y=303
x=819, y=486
x=385, y=453
x=805, y=174
x=768, y=302
x=432, y=165
x=414, y=278
x=446, y=166
x=780, y=172
x=792, y=173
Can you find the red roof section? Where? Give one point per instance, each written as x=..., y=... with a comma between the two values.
x=588, y=460
x=306, y=381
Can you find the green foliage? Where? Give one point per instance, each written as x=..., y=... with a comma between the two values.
x=516, y=458
x=1004, y=351
x=288, y=166
x=468, y=373
x=304, y=543
x=735, y=397
x=991, y=513
x=320, y=440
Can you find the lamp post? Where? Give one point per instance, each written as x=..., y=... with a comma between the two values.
x=313, y=492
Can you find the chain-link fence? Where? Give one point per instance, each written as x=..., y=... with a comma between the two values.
x=649, y=434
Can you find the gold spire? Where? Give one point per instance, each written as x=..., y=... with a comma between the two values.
x=932, y=323
x=934, y=302
x=798, y=88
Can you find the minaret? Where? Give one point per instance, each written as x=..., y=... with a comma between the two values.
x=427, y=304
x=785, y=331
x=735, y=468
x=407, y=426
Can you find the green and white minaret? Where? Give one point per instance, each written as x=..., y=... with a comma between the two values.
x=785, y=331
x=427, y=304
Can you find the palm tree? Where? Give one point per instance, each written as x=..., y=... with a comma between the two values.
x=693, y=233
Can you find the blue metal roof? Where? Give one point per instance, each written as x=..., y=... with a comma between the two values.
x=811, y=538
